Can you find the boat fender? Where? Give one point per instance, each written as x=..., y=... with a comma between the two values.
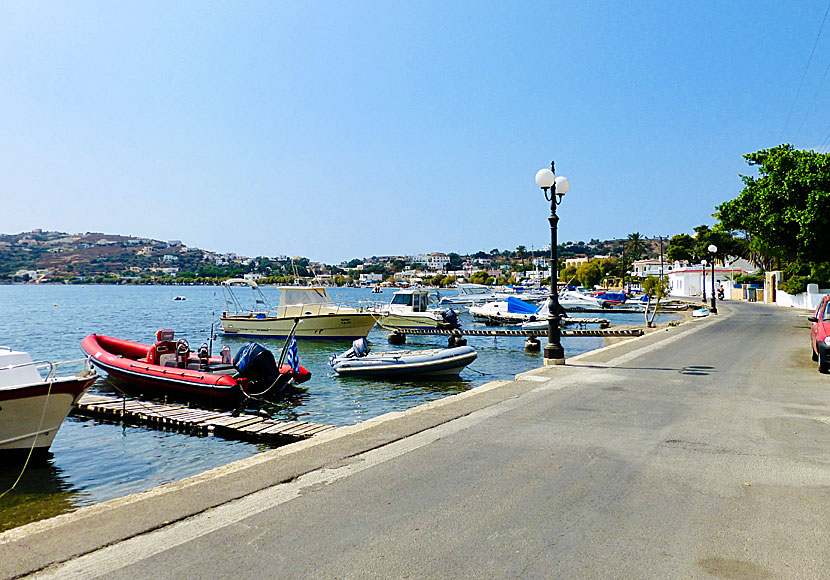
x=456, y=339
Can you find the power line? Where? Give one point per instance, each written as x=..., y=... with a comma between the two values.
x=803, y=76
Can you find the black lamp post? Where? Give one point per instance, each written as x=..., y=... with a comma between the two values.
x=703, y=268
x=713, y=249
x=555, y=188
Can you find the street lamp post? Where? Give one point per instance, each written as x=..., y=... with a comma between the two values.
x=713, y=250
x=703, y=267
x=555, y=188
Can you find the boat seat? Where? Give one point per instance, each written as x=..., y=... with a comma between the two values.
x=161, y=352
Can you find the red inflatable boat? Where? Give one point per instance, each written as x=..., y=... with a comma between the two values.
x=169, y=367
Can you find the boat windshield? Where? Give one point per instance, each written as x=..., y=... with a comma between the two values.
x=402, y=299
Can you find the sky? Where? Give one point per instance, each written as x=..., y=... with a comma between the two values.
x=338, y=130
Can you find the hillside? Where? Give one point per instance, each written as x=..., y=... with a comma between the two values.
x=44, y=256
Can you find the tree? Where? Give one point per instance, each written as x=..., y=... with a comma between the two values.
x=785, y=211
x=654, y=287
x=681, y=248
x=635, y=246
x=520, y=250
x=589, y=274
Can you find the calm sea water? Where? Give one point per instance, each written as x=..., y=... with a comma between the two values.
x=92, y=461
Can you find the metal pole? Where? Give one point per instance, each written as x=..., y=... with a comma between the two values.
x=714, y=308
x=554, y=353
x=703, y=269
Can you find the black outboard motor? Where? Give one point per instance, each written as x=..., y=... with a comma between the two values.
x=450, y=317
x=256, y=363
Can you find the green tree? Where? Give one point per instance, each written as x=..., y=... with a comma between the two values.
x=785, y=210
x=635, y=246
x=589, y=274
x=681, y=248
x=520, y=250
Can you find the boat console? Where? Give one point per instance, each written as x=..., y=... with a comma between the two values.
x=163, y=352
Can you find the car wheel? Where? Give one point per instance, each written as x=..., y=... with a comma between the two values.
x=823, y=365
x=813, y=354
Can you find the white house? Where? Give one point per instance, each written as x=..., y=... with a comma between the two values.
x=652, y=267
x=369, y=277
x=688, y=280
x=434, y=261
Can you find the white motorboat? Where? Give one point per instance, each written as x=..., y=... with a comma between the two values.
x=573, y=300
x=471, y=294
x=32, y=408
x=511, y=310
x=318, y=315
x=409, y=309
x=431, y=363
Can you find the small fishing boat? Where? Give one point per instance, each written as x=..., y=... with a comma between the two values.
x=32, y=408
x=432, y=363
x=700, y=313
x=409, y=309
x=168, y=367
x=319, y=316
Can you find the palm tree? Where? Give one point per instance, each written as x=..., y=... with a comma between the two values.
x=521, y=251
x=635, y=246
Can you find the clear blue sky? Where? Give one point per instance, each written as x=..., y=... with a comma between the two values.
x=337, y=130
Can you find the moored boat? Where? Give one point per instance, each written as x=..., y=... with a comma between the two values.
x=32, y=408
x=318, y=315
x=511, y=310
x=409, y=309
x=431, y=363
x=168, y=367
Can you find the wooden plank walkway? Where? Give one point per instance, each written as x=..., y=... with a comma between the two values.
x=520, y=332
x=196, y=421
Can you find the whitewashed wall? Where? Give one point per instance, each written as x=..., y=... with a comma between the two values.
x=808, y=300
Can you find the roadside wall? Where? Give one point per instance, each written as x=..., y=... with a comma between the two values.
x=808, y=300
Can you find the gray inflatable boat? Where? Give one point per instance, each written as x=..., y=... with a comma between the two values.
x=438, y=362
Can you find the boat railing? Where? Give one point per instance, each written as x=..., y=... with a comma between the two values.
x=51, y=368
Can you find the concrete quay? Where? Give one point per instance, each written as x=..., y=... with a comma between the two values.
x=698, y=451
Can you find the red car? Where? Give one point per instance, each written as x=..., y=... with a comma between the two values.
x=820, y=335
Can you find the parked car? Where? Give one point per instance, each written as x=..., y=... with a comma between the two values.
x=820, y=335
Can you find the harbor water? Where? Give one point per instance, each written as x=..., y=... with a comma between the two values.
x=93, y=461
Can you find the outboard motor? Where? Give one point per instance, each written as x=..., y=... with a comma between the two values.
x=450, y=317
x=360, y=348
x=256, y=363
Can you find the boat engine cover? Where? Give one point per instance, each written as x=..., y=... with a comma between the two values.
x=450, y=316
x=256, y=363
x=360, y=347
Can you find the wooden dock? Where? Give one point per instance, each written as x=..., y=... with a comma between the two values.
x=196, y=421
x=521, y=332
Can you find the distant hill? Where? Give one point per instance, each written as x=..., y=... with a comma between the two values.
x=44, y=256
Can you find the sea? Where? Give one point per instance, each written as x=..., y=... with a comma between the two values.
x=91, y=460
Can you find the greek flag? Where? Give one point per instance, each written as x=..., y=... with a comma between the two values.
x=293, y=357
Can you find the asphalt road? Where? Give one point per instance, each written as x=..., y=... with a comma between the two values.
x=701, y=451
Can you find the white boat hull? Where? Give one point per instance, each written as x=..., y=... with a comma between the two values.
x=412, y=321
x=30, y=415
x=433, y=363
x=326, y=326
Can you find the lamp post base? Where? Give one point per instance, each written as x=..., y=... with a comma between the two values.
x=554, y=355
